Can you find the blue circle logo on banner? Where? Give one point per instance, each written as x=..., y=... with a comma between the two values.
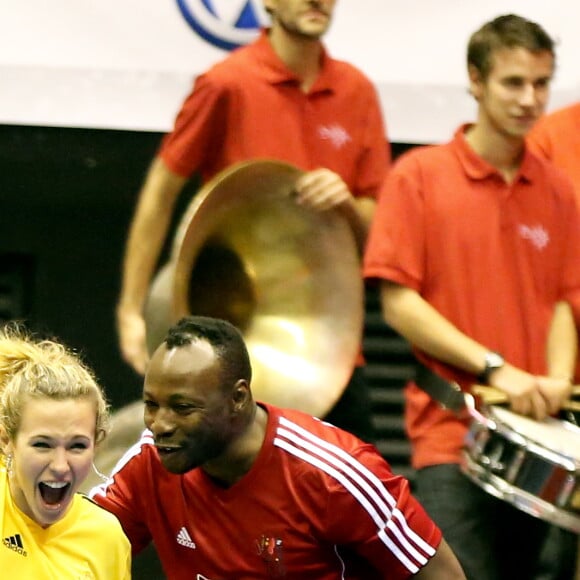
x=226, y=24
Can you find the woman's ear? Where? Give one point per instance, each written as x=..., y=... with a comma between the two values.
x=100, y=436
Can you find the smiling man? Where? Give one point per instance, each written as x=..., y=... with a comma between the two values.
x=476, y=246
x=228, y=488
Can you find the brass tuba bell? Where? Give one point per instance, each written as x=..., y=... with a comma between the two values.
x=286, y=276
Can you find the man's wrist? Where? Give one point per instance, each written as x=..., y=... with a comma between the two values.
x=493, y=361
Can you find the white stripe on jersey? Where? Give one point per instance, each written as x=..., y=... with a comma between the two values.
x=146, y=439
x=375, y=481
x=372, y=478
x=364, y=485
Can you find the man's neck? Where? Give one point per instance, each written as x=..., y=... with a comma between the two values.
x=242, y=453
x=500, y=150
x=301, y=55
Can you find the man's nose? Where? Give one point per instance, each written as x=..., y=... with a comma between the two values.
x=161, y=422
x=528, y=95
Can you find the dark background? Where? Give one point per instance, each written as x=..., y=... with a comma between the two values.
x=67, y=197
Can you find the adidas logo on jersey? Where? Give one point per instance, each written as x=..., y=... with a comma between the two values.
x=184, y=539
x=15, y=543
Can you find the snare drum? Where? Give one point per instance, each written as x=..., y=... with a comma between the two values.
x=534, y=465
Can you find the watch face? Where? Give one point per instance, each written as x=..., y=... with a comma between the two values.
x=494, y=360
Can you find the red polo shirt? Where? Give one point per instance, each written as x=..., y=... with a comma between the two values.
x=250, y=106
x=557, y=137
x=491, y=257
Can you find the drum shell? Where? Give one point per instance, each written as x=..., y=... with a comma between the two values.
x=531, y=470
x=534, y=478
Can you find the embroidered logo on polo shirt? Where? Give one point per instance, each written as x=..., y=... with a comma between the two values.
x=14, y=543
x=537, y=235
x=270, y=550
x=336, y=134
x=184, y=539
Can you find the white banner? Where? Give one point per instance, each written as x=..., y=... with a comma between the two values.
x=127, y=64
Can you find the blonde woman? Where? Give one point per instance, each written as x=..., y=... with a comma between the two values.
x=52, y=415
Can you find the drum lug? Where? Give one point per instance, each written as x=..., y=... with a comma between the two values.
x=492, y=461
x=570, y=494
x=496, y=467
x=517, y=461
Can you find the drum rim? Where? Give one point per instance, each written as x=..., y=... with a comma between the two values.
x=519, y=498
x=494, y=423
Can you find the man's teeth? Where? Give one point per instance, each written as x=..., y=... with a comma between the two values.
x=56, y=484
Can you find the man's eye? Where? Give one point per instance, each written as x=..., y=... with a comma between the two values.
x=150, y=405
x=41, y=445
x=183, y=409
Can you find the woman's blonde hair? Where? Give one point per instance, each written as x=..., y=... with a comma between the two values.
x=38, y=368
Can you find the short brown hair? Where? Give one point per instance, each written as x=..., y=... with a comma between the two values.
x=507, y=31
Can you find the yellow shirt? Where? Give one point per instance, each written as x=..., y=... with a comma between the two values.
x=87, y=544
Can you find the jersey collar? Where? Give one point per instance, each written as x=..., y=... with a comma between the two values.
x=477, y=168
x=276, y=72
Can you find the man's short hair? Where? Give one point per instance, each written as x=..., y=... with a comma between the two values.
x=507, y=31
x=225, y=339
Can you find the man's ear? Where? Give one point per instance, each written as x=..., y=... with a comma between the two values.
x=240, y=394
x=475, y=82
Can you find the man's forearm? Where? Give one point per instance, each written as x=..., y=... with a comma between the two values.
x=147, y=234
x=359, y=213
x=425, y=328
x=562, y=348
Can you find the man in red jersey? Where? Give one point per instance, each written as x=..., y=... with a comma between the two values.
x=282, y=97
x=556, y=136
x=228, y=488
x=476, y=245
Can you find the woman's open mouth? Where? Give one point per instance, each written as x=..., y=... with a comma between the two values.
x=53, y=493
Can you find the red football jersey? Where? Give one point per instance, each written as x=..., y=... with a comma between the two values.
x=317, y=504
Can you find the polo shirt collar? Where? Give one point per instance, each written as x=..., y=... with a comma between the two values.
x=477, y=168
x=276, y=72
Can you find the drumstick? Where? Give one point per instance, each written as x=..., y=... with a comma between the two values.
x=493, y=396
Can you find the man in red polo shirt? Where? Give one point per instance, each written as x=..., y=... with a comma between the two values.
x=476, y=243
x=556, y=136
x=281, y=97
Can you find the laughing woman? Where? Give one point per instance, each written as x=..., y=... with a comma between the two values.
x=52, y=414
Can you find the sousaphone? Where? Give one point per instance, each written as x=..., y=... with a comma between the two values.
x=287, y=276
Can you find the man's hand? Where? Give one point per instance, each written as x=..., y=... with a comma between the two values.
x=131, y=329
x=523, y=391
x=321, y=190
x=556, y=391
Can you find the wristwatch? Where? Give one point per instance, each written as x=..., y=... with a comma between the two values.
x=493, y=361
